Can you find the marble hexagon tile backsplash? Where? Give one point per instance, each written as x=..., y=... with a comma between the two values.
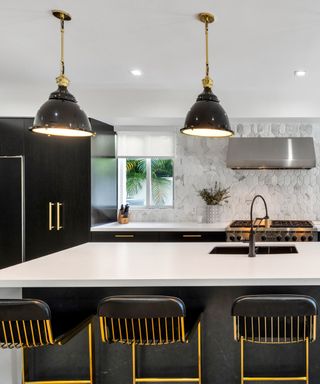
x=290, y=194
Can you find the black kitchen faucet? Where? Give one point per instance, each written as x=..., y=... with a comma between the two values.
x=252, y=250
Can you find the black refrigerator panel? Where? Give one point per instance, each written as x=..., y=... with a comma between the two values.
x=11, y=211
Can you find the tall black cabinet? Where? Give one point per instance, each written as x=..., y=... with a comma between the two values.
x=57, y=192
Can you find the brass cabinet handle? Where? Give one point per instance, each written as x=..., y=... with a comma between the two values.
x=59, y=216
x=191, y=235
x=124, y=236
x=51, y=227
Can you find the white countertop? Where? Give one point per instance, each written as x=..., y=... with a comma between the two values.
x=164, y=264
x=156, y=227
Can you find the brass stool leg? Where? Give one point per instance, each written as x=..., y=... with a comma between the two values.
x=241, y=359
x=199, y=353
x=90, y=346
x=133, y=346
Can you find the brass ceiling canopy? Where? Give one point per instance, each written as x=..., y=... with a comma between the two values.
x=61, y=15
x=206, y=117
x=61, y=114
x=206, y=17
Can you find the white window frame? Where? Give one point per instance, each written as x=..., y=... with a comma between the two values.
x=122, y=196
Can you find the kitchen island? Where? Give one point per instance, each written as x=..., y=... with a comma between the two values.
x=81, y=276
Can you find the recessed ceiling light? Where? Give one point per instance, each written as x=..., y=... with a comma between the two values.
x=300, y=73
x=136, y=72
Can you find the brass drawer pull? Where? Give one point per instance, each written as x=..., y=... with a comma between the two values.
x=124, y=236
x=51, y=227
x=192, y=236
x=59, y=226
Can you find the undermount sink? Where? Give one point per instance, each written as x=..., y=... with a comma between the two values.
x=260, y=250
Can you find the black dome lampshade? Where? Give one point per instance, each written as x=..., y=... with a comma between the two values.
x=206, y=117
x=61, y=115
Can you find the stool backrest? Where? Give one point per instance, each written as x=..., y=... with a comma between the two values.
x=24, y=323
x=142, y=319
x=275, y=318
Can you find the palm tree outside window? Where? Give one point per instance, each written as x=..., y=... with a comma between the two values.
x=146, y=182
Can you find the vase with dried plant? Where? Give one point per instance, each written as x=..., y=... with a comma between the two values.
x=214, y=199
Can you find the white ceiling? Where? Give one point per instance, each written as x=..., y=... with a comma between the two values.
x=255, y=45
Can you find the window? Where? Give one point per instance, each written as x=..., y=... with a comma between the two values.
x=146, y=182
x=145, y=166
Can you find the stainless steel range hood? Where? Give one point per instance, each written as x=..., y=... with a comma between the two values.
x=271, y=153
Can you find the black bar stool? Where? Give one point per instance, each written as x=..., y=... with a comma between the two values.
x=275, y=319
x=26, y=323
x=148, y=321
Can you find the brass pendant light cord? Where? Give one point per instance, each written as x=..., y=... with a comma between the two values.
x=207, y=81
x=62, y=80
x=62, y=47
x=207, y=48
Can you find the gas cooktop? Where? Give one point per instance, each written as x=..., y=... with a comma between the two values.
x=279, y=230
x=275, y=224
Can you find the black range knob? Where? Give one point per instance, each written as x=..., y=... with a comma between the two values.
x=232, y=238
x=294, y=238
x=303, y=238
x=310, y=238
x=279, y=238
x=263, y=238
x=239, y=238
x=287, y=237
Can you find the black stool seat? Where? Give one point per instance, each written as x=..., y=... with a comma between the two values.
x=146, y=320
x=275, y=318
x=275, y=305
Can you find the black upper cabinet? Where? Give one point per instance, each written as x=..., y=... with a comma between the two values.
x=104, y=170
x=57, y=192
x=11, y=136
x=103, y=144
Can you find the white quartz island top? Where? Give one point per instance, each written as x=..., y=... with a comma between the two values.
x=164, y=264
x=162, y=227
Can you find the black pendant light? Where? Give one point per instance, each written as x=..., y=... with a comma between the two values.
x=61, y=114
x=206, y=117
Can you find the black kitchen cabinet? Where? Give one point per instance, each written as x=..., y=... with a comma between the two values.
x=153, y=236
x=57, y=192
x=11, y=136
x=104, y=171
x=189, y=236
x=132, y=236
